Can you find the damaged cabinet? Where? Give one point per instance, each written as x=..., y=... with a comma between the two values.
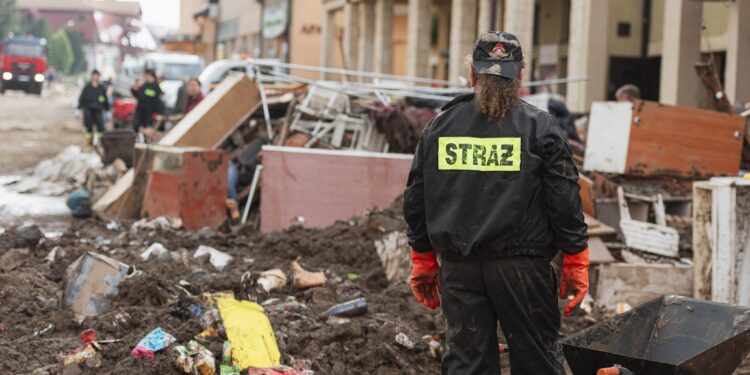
x=185, y=183
x=650, y=139
x=721, y=240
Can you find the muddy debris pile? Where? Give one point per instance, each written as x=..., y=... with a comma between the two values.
x=170, y=290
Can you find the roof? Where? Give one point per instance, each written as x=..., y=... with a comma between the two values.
x=121, y=7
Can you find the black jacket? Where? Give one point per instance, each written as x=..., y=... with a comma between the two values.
x=487, y=189
x=149, y=98
x=93, y=98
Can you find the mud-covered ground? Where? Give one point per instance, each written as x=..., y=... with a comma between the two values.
x=35, y=332
x=35, y=128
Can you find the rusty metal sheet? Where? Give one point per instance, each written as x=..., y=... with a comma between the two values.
x=314, y=188
x=683, y=141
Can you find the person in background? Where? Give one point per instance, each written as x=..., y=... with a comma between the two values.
x=51, y=76
x=194, y=94
x=148, y=95
x=628, y=93
x=109, y=88
x=93, y=102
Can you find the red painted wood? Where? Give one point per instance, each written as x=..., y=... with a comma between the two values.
x=323, y=188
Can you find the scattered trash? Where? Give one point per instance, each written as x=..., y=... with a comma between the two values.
x=355, y=307
x=114, y=226
x=272, y=279
x=44, y=330
x=160, y=223
x=586, y=304
x=88, y=336
x=211, y=323
x=302, y=278
x=217, y=258
x=436, y=349
x=30, y=234
x=186, y=307
x=228, y=370
x=79, y=204
x=157, y=250
x=622, y=307
x=403, y=340
x=335, y=320
x=55, y=254
x=195, y=359
x=503, y=348
x=60, y=174
x=85, y=354
x=291, y=304
x=90, y=281
x=352, y=276
x=155, y=341
x=250, y=333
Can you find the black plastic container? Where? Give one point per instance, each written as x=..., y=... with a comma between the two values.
x=668, y=335
x=118, y=144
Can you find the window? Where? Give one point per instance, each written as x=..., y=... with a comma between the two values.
x=623, y=29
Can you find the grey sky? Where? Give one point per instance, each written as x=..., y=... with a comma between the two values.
x=161, y=12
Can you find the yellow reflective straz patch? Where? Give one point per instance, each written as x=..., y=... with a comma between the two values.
x=479, y=154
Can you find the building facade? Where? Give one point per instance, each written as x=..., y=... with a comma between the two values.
x=608, y=42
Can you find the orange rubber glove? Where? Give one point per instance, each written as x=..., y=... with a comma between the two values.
x=575, y=278
x=425, y=279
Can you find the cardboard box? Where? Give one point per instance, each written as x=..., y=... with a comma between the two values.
x=89, y=283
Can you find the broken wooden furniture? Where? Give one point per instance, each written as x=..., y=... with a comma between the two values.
x=206, y=126
x=651, y=139
x=325, y=114
x=656, y=238
x=185, y=183
x=721, y=240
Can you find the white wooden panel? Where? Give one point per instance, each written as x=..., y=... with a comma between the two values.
x=608, y=137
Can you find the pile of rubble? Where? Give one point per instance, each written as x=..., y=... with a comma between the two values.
x=123, y=285
x=170, y=286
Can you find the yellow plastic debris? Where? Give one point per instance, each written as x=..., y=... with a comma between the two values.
x=250, y=332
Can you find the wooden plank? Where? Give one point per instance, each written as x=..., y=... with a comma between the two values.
x=588, y=197
x=607, y=139
x=216, y=115
x=314, y=188
x=683, y=141
x=597, y=228
x=598, y=252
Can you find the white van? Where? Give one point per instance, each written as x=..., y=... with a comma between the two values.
x=171, y=67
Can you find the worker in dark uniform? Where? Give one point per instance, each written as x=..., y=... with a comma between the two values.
x=148, y=95
x=93, y=102
x=493, y=193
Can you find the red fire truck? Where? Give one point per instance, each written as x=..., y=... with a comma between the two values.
x=23, y=63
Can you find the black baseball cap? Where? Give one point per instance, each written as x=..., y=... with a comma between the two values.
x=498, y=53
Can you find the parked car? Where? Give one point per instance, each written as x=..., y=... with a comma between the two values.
x=218, y=70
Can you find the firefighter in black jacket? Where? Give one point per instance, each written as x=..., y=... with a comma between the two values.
x=148, y=95
x=93, y=102
x=493, y=191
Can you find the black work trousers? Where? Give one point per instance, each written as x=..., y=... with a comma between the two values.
x=521, y=294
x=142, y=117
x=91, y=119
